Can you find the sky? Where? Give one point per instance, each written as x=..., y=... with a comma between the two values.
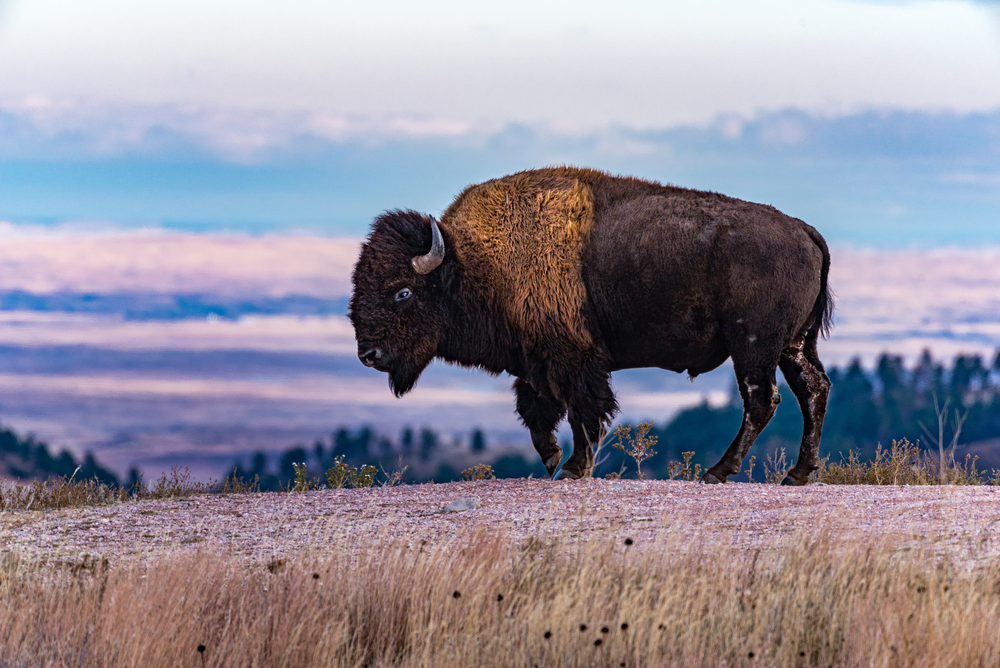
x=183, y=187
x=568, y=65
x=878, y=122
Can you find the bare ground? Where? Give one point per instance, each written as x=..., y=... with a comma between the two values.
x=964, y=521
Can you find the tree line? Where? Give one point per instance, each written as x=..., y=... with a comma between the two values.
x=26, y=458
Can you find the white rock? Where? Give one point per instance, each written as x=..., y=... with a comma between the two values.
x=459, y=505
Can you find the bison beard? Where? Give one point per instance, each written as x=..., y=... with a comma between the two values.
x=561, y=276
x=403, y=376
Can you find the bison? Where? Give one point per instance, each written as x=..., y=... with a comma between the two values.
x=561, y=276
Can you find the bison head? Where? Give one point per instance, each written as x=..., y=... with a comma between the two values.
x=397, y=308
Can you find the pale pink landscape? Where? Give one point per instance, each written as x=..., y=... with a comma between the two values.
x=900, y=301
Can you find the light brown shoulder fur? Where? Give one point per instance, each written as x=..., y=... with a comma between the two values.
x=523, y=236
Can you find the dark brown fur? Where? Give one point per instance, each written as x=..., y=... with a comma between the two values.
x=561, y=276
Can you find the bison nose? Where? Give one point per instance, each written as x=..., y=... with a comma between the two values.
x=370, y=357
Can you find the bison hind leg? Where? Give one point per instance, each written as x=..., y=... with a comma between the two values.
x=809, y=383
x=760, y=399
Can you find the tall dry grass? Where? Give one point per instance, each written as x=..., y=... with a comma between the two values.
x=478, y=601
x=68, y=492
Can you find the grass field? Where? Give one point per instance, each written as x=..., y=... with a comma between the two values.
x=478, y=600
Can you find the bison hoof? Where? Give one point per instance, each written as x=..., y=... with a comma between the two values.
x=552, y=463
x=789, y=481
x=711, y=479
x=566, y=475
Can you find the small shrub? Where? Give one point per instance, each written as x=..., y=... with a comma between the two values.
x=639, y=446
x=178, y=484
x=61, y=492
x=302, y=481
x=363, y=477
x=238, y=485
x=902, y=464
x=684, y=471
x=340, y=475
x=336, y=475
x=479, y=472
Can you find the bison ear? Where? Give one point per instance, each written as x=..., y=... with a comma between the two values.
x=449, y=277
x=444, y=282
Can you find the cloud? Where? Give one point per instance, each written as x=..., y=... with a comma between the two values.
x=67, y=128
x=581, y=65
x=147, y=261
x=884, y=177
x=973, y=178
x=75, y=128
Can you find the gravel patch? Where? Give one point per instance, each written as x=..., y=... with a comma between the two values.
x=654, y=514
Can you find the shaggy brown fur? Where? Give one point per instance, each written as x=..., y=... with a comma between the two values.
x=523, y=236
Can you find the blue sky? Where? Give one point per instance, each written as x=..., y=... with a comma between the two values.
x=878, y=122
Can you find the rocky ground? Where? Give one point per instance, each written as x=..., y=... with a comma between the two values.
x=655, y=514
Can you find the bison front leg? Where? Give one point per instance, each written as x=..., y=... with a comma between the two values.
x=760, y=400
x=590, y=414
x=540, y=414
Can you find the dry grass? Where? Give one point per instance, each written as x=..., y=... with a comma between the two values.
x=480, y=601
x=66, y=492
x=902, y=464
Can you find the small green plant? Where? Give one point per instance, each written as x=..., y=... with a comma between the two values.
x=302, y=481
x=363, y=477
x=479, y=472
x=638, y=446
x=340, y=475
x=336, y=475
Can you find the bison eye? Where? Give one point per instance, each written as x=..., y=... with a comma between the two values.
x=403, y=295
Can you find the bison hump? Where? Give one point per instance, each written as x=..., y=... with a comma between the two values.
x=525, y=236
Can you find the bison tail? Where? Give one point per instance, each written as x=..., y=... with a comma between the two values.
x=822, y=313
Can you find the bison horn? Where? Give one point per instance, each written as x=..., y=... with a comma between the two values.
x=425, y=264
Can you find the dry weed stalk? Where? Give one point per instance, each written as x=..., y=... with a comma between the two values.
x=946, y=454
